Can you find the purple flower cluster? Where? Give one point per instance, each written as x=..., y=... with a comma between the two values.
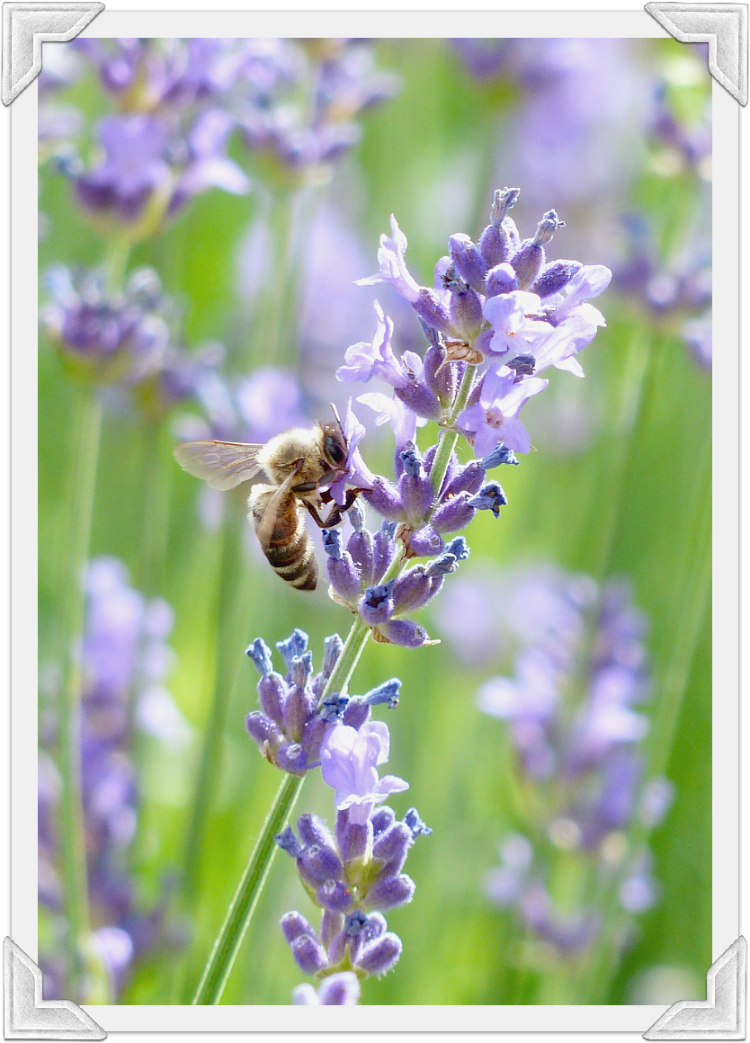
x=295, y=719
x=498, y=304
x=124, y=659
x=300, y=103
x=355, y=875
x=676, y=296
x=571, y=713
x=419, y=520
x=167, y=142
x=124, y=339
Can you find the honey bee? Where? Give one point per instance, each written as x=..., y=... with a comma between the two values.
x=297, y=463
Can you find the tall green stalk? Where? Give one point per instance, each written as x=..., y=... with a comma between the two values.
x=83, y=455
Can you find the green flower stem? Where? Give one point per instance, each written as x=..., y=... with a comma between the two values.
x=449, y=435
x=242, y=907
x=233, y=588
x=84, y=452
x=116, y=263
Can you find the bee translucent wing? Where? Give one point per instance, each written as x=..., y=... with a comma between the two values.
x=223, y=465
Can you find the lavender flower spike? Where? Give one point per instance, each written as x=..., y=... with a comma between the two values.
x=340, y=990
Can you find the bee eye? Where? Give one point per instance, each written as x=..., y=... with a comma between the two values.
x=334, y=451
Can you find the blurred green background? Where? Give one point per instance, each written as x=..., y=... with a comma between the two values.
x=631, y=500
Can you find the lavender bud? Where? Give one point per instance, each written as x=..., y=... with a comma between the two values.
x=332, y=543
x=309, y=955
x=415, y=824
x=293, y=647
x=469, y=263
x=392, y=891
x=431, y=311
x=499, y=455
x=439, y=376
x=412, y=590
x=351, y=839
x=382, y=819
x=554, y=277
x=523, y=365
x=299, y=708
x=503, y=202
x=494, y=246
x=272, y=694
x=301, y=669
x=339, y=990
x=331, y=924
x=454, y=514
x=528, y=261
x=263, y=730
x=381, y=955
x=356, y=714
x=404, y=632
x=387, y=692
x=491, y=498
x=334, y=895
x=442, y=566
x=355, y=923
x=417, y=495
x=376, y=606
x=312, y=738
x=391, y=848
x=260, y=654
x=288, y=842
x=356, y=515
x=333, y=707
x=459, y=548
x=294, y=925
x=333, y=648
x=501, y=279
x=313, y=830
x=292, y=759
x=360, y=546
x=344, y=578
x=468, y=479
x=318, y=864
x=385, y=499
x=466, y=314
x=384, y=549
x=425, y=542
x=420, y=399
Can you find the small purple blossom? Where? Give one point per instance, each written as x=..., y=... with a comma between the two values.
x=494, y=418
x=349, y=762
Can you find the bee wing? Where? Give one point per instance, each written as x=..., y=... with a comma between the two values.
x=223, y=465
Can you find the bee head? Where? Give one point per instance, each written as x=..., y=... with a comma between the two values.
x=335, y=445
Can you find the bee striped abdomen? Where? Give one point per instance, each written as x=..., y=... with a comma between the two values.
x=290, y=550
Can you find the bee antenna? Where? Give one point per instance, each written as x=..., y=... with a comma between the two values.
x=338, y=418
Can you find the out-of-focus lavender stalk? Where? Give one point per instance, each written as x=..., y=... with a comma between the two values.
x=580, y=870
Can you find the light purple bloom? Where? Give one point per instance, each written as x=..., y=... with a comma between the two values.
x=393, y=268
x=376, y=359
x=392, y=410
x=514, y=333
x=349, y=765
x=494, y=418
x=589, y=281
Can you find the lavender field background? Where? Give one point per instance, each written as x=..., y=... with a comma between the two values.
x=230, y=211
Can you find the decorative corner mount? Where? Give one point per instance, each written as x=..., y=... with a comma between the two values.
x=722, y=1014
x=27, y=1015
x=26, y=27
x=723, y=27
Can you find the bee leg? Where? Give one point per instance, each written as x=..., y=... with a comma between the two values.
x=337, y=512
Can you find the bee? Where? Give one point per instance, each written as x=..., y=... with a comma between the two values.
x=297, y=463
